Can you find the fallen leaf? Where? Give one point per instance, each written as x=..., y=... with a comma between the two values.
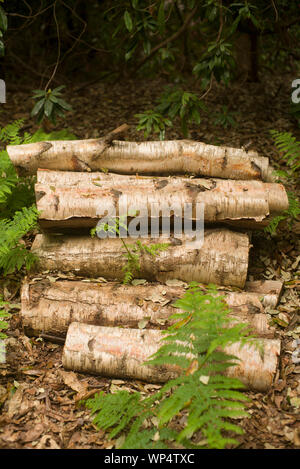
x=120, y=441
x=204, y=379
x=15, y=403
x=138, y=281
x=295, y=401
x=47, y=442
x=71, y=380
x=143, y=323
x=175, y=283
x=33, y=434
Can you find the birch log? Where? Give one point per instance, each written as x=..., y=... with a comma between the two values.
x=222, y=259
x=121, y=353
x=67, y=198
x=270, y=291
x=167, y=157
x=50, y=308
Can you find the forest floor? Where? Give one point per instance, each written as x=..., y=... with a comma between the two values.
x=39, y=401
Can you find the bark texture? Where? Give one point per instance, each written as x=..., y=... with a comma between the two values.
x=50, y=308
x=222, y=259
x=269, y=289
x=116, y=352
x=168, y=157
x=66, y=198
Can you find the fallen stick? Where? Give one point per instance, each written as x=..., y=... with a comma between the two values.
x=44, y=154
x=121, y=353
x=73, y=199
x=50, y=307
x=222, y=259
x=158, y=157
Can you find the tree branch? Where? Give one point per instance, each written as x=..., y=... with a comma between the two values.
x=166, y=41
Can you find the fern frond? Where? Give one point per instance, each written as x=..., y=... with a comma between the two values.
x=11, y=133
x=3, y=315
x=209, y=397
x=289, y=147
x=128, y=277
x=18, y=214
x=13, y=254
x=152, y=249
x=292, y=213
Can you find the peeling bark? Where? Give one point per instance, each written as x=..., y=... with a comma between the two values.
x=121, y=353
x=51, y=307
x=269, y=289
x=66, y=198
x=164, y=158
x=222, y=259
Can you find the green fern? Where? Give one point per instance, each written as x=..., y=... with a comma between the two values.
x=18, y=214
x=133, y=254
x=13, y=254
x=11, y=133
x=289, y=147
x=291, y=214
x=152, y=249
x=132, y=251
x=3, y=324
x=208, y=398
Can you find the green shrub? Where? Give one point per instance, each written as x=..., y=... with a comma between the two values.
x=18, y=213
x=289, y=149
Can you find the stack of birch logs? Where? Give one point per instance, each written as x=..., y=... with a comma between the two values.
x=110, y=328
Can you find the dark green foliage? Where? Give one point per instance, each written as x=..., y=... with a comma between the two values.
x=18, y=213
x=291, y=214
x=138, y=35
x=295, y=111
x=217, y=61
x=49, y=104
x=289, y=149
x=206, y=397
x=225, y=118
x=175, y=102
x=13, y=254
x=3, y=28
x=153, y=122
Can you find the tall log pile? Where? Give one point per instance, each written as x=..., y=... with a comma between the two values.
x=112, y=328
